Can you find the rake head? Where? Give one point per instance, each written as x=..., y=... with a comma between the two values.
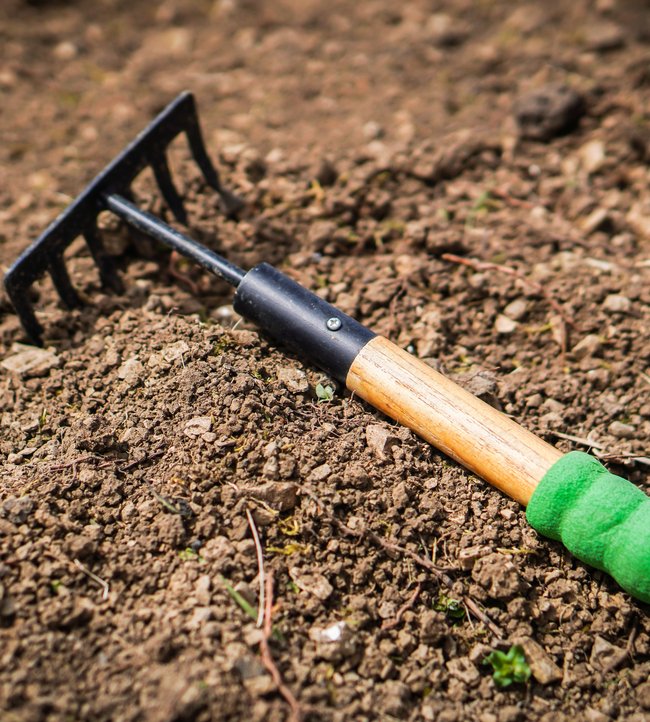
x=45, y=255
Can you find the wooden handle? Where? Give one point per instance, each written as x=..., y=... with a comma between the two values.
x=453, y=420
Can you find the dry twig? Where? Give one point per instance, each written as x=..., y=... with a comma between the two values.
x=260, y=564
x=267, y=658
x=392, y=623
x=98, y=580
x=479, y=265
x=601, y=451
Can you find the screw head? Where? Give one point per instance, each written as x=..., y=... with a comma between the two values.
x=333, y=324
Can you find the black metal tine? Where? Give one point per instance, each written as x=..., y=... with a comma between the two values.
x=230, y=203
x=163, y=176
x=61, y=279
x=107, y=271
x=23, y=307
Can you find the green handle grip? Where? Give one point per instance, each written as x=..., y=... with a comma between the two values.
x=601, y=518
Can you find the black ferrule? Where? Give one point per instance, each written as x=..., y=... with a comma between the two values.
x=298, y=318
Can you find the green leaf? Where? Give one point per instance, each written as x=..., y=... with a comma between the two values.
x=324, y=393
x=239, y=599
x=509, y=667
x=451, y=607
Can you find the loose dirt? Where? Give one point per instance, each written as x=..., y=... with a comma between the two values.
x=469, y=180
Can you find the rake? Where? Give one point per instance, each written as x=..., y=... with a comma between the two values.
x=601, y=518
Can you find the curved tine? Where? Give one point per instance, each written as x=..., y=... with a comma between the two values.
x=231, y=204
x=61, y=280
x=25, y=312
x=163, y=176
x=199, y=153
x=107, y=272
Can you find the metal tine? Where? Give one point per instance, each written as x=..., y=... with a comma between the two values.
x=107, y=271
x=26, y=314
x=230, y=202
x=160, y=167
x=61, y=279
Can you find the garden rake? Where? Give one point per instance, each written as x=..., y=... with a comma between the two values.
x=603, y=519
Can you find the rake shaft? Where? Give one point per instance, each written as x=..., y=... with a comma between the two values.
x=154, y=227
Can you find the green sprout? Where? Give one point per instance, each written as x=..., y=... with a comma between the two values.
x=324, y=393
x=452, y=608
x=508, y=667
x=189, y=555
x=239, y=599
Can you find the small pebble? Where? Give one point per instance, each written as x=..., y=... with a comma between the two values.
x=30, y=361
x=372, y=130
x=445, y=31
x=281, y=495
x=621, y=430
x=504, y=325
x=615, y=303
x=592, y=156
x=516, y=309
x=312, y=583
x=604, y=655
x=603, y=36
x=294, y=379
x=65, y=50
x=131, y=371
x=380, y=440
x=320, y=473
x=541, y=665
x=595, y=220
x=197, y=426
x=588, y=347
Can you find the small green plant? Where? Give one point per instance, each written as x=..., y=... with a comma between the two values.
x=189, y=555
x=241, y=602
x=248, y=608
x=508, y=667
x=42, y=420
x=324, y=393
x=482, y=206
x=452, y=608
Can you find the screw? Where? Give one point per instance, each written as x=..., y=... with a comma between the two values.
x=333, y=324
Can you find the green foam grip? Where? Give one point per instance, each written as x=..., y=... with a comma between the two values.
x=601, y=518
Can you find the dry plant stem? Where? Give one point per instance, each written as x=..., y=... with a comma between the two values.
x=479, y=265
x=98, y=580
x=422, y=561
x=267, y=658
x=601, y=451
x=392, y=623
x=260, y=564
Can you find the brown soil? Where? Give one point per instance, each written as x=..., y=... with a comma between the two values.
x=368, y=140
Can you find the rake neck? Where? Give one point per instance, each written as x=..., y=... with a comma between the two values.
x=154, y=227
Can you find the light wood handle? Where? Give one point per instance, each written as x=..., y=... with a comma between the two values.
x=452, y=419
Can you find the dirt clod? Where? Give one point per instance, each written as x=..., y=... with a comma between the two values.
x=498, y=576
x=549, y=111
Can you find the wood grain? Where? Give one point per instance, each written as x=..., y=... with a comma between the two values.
x=475, y=434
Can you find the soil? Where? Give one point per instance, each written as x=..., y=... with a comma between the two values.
x=470, y=180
